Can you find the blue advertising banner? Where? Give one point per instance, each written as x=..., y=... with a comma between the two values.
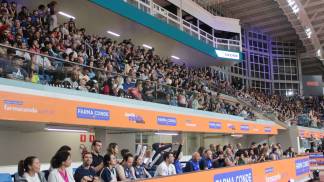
x=244, y=127
x=268, y=170
x=167, y=121
x=215, y=125
x=235, y=176
x=91, y=113
x=302, y=166
x=267, y=129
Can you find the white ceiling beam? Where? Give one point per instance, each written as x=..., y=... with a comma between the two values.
x=304, y=20
x=248, y=11
x=249, y=5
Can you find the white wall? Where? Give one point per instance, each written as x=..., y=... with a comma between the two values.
x=124, y=141
x=246, y=140
x=16, y=145
x=217, y=22
x=288, y=138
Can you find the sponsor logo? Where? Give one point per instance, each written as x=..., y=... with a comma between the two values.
x=268, y=170
x=227, y=54
x=189, y=123
x=302, y=166
x=244, y=128
x=91, y=113
x=319, y=155
x=267, y=129
x=274, y=178
x=312, y=84
x=134, y=118
x=18, y=106
x=166, y=121
x=215, y=125
x=230, y=126
x=235, y=176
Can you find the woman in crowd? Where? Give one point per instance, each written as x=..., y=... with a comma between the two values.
x=140, y=171
x=229, y=157
x=29, y=171
x=108, y=173
x=113, y=149
x=60, y=163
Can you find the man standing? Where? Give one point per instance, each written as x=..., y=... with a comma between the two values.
x=85, y=173
x=97, y=162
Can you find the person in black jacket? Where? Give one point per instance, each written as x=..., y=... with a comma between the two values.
x=159, y=149
x=219, y=161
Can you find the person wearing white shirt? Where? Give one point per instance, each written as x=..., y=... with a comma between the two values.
x=166, y=168
x=29, y=171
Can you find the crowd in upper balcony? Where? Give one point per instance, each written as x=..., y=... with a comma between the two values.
x=102, y=65
x=112, y=68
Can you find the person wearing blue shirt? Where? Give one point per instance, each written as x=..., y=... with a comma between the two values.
x=128, y=84
x=207, y=160
x=85, y=172
x=193, y=164
x=128, y=167
x=177, y=158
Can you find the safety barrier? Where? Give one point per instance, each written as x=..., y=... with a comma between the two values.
x=293, y=169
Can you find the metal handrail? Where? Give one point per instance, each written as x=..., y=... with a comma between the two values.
x=208, y=38
x=89, y=46
x=93, y=68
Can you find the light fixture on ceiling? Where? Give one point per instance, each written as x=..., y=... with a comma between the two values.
x=66, y=15
x=237, y=135
x=147, y=46
x=308, y=32
x=113, y=33
x=175, y=57
x=166, y=133
x=319, y=53
x=289, y=93
x=62, y=129
x=294, y=7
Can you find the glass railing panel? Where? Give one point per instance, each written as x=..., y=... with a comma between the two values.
x=78, y=72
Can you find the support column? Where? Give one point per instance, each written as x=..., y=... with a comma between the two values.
x=179, y=14
x=100, y=134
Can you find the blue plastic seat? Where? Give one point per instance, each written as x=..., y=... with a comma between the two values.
x=5, y=177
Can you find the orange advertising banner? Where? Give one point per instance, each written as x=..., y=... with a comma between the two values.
x=308, y=133
x=38, y=108
x=296, y=169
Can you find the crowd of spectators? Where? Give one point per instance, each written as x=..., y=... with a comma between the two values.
x=163, y=160
x=102, y=65
x=295, y=110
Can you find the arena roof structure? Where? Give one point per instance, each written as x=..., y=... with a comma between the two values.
x=288, y=20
